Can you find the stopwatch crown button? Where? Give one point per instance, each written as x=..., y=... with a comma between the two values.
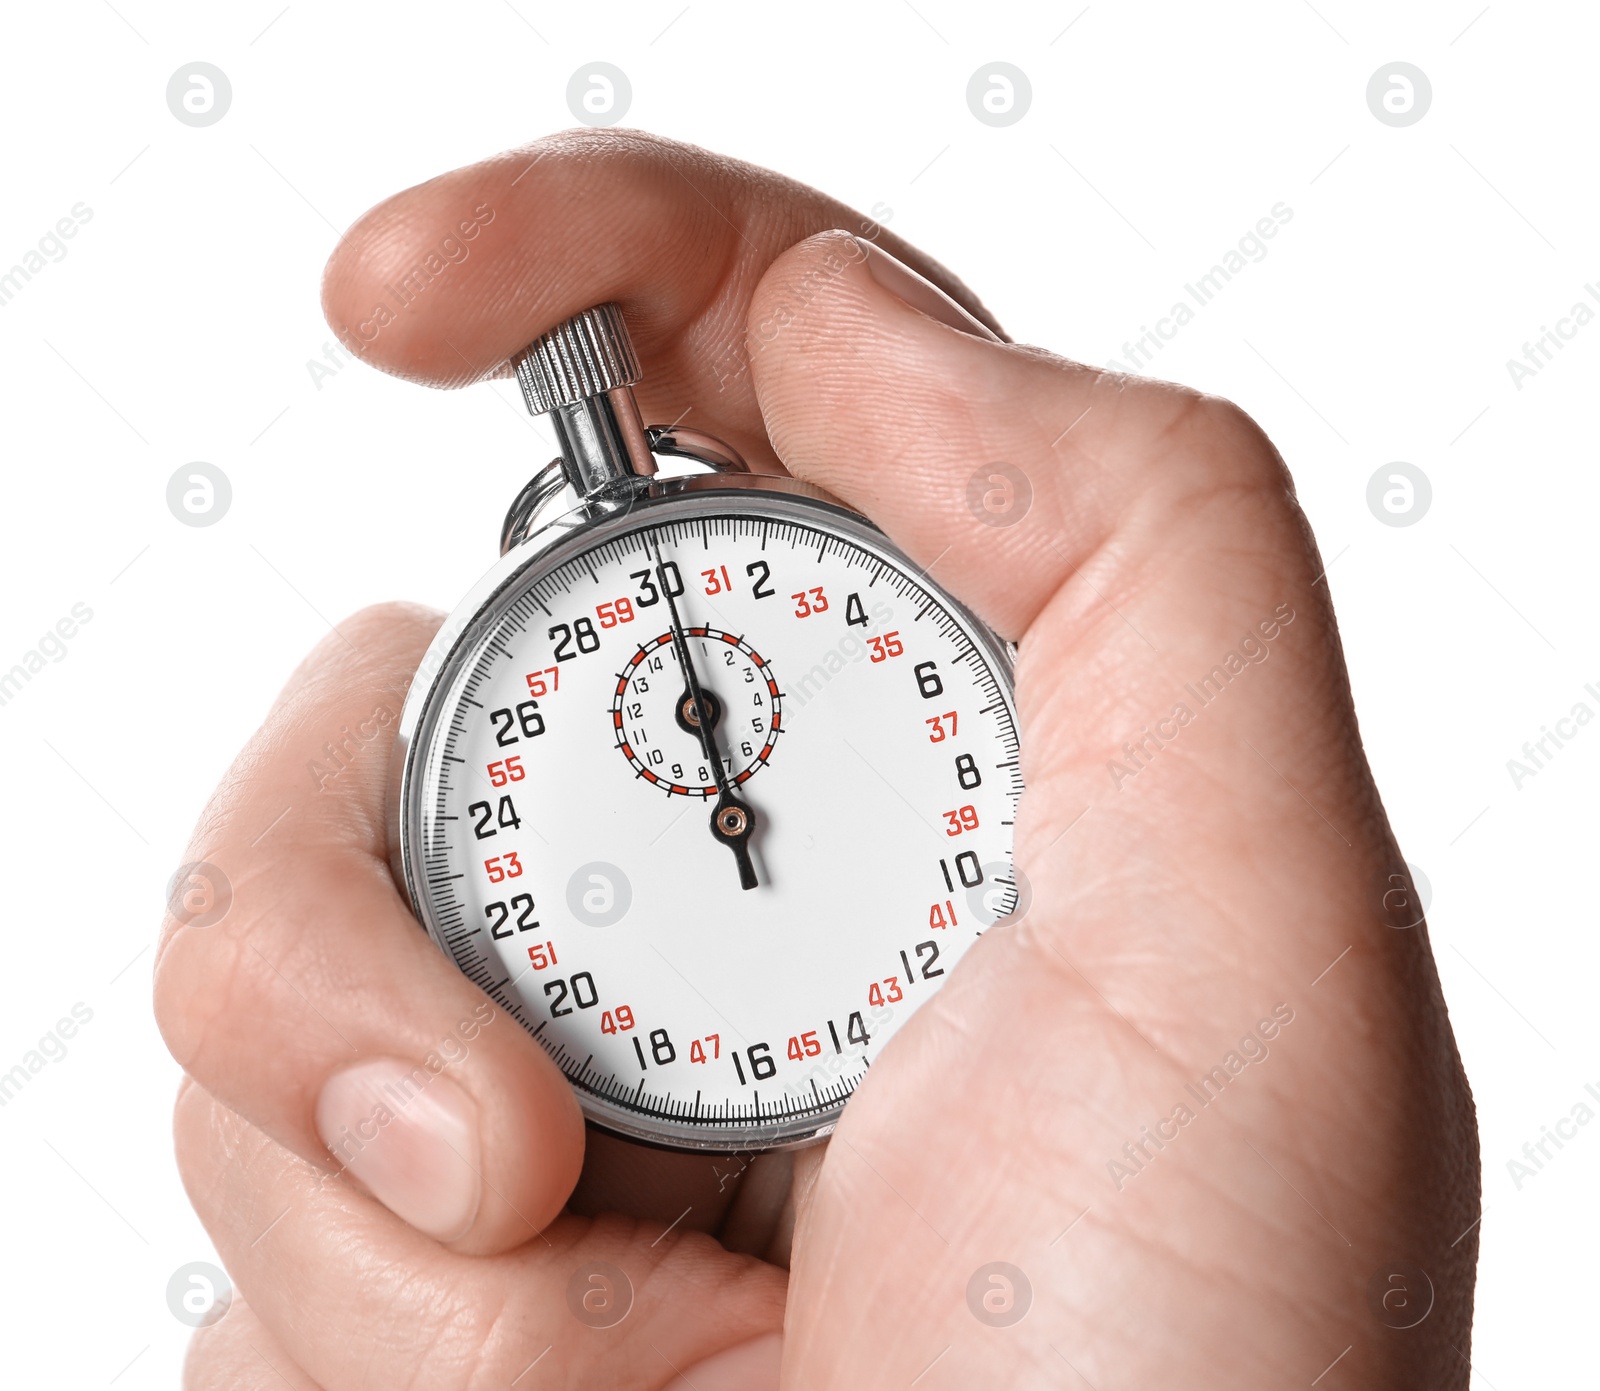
x=587, y=355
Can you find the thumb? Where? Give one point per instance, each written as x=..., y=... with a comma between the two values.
x=1002, y=469
x=1125, y=532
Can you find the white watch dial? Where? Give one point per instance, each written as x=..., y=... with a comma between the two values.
x=562, y=797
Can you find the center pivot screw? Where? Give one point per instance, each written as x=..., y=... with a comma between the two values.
x=688, y=716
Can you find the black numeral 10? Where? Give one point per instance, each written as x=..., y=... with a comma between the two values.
x=968, y=870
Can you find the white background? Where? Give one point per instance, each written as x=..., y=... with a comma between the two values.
x=179, y=324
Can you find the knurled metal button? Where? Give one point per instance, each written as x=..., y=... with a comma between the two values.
x=588, y=355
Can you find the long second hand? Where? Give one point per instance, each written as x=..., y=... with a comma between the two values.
x=732, y=820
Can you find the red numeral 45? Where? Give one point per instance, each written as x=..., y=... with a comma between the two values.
x=804, y=1045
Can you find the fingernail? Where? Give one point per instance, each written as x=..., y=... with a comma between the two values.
x=751, y=1366
x=410, y=1137
x=920, y=293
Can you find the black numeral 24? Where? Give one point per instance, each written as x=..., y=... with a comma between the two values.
x=505, y=819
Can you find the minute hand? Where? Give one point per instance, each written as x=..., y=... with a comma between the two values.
x=732, y=820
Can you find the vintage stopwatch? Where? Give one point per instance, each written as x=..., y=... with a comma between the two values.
x=706, y=783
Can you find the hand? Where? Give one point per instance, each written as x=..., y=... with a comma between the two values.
x=1198, y=879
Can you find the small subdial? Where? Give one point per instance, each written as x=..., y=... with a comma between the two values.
x=656, y=722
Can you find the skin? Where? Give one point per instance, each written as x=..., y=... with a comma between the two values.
x=1236, y=867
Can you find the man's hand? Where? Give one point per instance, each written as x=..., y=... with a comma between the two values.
x=1202, y=1093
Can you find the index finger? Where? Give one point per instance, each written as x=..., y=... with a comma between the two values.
x=301, y=991
x=442, y=283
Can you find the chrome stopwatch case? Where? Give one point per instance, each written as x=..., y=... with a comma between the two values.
x=705, y=784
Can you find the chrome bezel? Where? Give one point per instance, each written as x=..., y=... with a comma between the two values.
x=478, y=614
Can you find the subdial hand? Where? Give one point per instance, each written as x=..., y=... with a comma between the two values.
x=732, y=820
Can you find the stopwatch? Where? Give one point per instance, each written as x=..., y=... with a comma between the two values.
x=706, y=783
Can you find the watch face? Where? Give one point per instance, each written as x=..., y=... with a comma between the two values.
x=558, y=803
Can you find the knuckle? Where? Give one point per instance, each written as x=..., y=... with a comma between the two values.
x=231, y=1355
x=192, y=983
x=1242, y=454
x=214, y=1361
